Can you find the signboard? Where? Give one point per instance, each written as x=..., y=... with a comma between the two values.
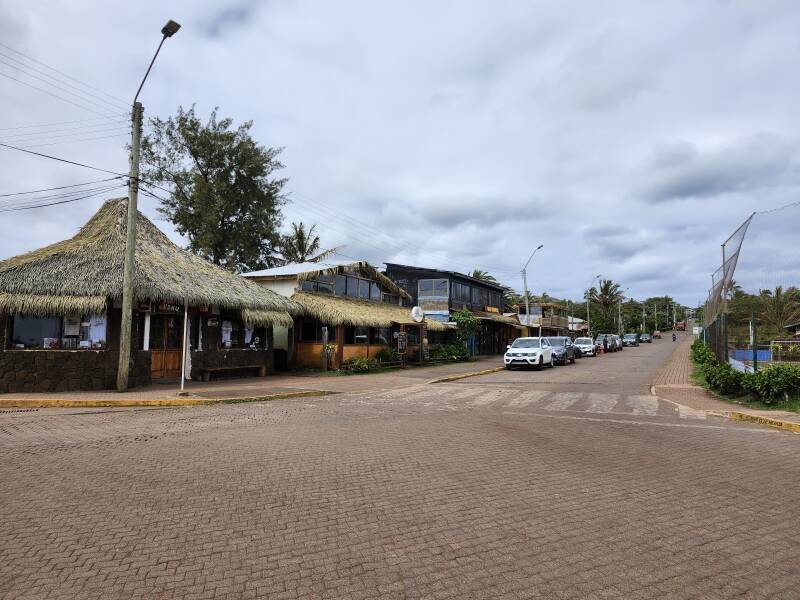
x=212, y=321
x=402, y=342
x=424, y=341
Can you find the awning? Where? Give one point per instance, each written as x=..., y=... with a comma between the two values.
x=498, y=318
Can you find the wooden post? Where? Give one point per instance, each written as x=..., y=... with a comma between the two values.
x=324, y=349
x=339, y=345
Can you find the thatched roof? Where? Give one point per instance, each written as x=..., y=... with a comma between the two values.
x=81, y=274
x=498, y=318
x=348, y=311
x=314, y=270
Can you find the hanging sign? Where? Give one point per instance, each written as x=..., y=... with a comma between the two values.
x=402, y=342
x=212, y=321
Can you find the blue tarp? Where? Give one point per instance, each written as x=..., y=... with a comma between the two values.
x=762, y=355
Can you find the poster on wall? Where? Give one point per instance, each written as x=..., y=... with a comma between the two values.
x=402, y=342
x=227, y=330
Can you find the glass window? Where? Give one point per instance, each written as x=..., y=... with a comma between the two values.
x=391, y=299
x=341, y=285
x=308, y=286
x=526, y=343
x=325, y=285
x=36, y=332
x=308, y=331
x=425, y=287
x=363, y=288
x=374, y=292
x=360, y=335
x=381, y=335
x=440, y=287
x=352, y=287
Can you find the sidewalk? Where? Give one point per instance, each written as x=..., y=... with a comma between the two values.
x=250, y=388
x=673, y=383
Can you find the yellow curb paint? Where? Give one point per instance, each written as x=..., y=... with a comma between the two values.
x=166, y=402
x=465, y=375
x=787, y=425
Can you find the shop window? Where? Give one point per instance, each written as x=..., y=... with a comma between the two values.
x=36, y=332
x=69, y=332
x=232, y=332
x=361, y=335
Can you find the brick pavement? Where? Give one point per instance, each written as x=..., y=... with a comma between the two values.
x=462, y=490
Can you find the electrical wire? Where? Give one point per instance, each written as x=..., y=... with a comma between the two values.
x=64, y=160
x=49, y=80
x=14, y=209
x=49, y=93
x=76, y=141
x=66, y=122
x=17, y=201
x=86, y=85
x=98, y=128
x=62, y=187
x=49, y=136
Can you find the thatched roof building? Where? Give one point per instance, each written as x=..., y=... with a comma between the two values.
x=81, y=274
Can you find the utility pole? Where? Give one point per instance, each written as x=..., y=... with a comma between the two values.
x=655, y=314
x=527, y=301
x=588, y=312
x=130, y=253
x=644, y=318
x=129, y=269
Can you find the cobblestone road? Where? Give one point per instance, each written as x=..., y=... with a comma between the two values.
x=503, y=486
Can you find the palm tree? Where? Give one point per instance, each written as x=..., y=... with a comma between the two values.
x=484, y=276
x=779, y=308
x=303, y=246
x=606, y=296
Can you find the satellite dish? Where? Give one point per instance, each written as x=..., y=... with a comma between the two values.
x=417, y=314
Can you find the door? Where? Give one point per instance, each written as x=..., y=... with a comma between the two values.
x=166, y=333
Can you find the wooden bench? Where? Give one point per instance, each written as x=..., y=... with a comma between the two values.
x=206, y=371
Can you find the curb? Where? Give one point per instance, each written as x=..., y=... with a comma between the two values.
x=166, y=402
x=465, y=375
x=769, y=422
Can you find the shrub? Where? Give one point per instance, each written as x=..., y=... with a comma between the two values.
x=359, y=364
x=774, y=384
x=724, y=378
x=448, y=352
x=702, y=354
x=388, y=355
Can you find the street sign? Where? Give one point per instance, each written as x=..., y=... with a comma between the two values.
x=402, y=342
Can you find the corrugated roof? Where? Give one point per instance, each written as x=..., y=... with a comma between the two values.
x=299, y=268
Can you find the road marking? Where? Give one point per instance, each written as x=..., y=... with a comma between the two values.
x=527, y=398
x=564, y=400
x=630, y=422
x=643, y=405
x=602, y=403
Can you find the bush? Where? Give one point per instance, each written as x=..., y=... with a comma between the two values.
x=388, y=355
x=724, y=378
x=359, y=364
x=448, y=352
x=702, y=354
x=774, y=384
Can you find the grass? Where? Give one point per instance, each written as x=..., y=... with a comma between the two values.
x=697, y=377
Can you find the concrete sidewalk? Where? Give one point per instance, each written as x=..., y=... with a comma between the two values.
x=673, y=383
x=251, y=388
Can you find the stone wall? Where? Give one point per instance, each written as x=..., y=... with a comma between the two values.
x=233, y=357
x=67, y=370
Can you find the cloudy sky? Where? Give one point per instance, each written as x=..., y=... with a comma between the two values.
x=630, y=138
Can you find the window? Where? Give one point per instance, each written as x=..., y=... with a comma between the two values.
x=341, y=285
x=356, y=335
x=325, y=284
x=308, y=286
x=311, y=332
x=381, y=335
x=36, y=332
x=391, y=299
x=363, y=289
x=352, y=287
x=68, y=332
x=232, y=332
x=374, y=292
x=432, y=287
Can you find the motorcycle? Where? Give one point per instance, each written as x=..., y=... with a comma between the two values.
x=674, y=337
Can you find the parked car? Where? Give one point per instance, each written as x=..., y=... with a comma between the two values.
x=630, y=339
x=617, y=341
x=563, y=349
x=529, y=352
x=586, y=345
x=645, y=338
x=656, y=335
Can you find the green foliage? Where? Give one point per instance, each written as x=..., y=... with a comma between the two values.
x=360, y=364
x=448, y=352
x=724, y=379
x=302, y=245
x=777, y=383
x=389, y=354
x=224, y=196
x=466, y=325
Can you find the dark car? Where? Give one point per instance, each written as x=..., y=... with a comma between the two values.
x=563, y=349
x=630, y=339
x=645, y=338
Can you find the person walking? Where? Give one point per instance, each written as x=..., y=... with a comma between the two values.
x=605, y=344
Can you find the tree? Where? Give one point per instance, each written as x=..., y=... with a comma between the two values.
x=779, y=309
x=224, y=196
x=303, y=246
x=606, y=297
x=484, y=276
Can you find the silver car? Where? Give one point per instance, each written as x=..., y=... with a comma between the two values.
x=586, y=345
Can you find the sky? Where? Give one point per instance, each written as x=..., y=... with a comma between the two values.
x=630, y=138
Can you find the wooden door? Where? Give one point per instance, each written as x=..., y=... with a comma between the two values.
x=166, y=333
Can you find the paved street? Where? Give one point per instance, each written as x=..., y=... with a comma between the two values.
x=564, y=483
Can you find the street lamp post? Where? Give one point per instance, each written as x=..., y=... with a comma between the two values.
x=130, y=242
x=588, y=313
x=619, y=310
x=525, y=283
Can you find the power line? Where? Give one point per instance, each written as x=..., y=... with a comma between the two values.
x=32, y=138
x=76, y=141
x=17, y=201
x=64, y=160
x=48, y=80
x=86, y=85
x=65, y=122
x=49, y=93
x=60, y=187
x=54, y=203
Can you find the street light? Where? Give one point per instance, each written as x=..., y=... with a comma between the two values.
x=619, y=310
x=130, y=243
x=525, y=283
x=588, y=313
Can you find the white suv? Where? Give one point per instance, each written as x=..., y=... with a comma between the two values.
x=586, y=346
x=529, y=351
